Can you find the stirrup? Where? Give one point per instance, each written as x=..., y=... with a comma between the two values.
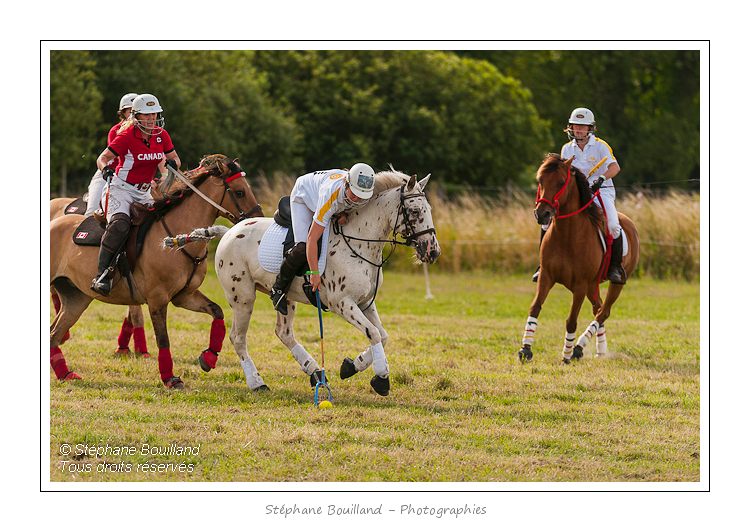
x=617, y=275
x=278, y=298
x=102, y=285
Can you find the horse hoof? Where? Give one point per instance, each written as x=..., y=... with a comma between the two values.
x=70, y=376
x=347, y=368
x=204, y=365
x=315, y=378
x=123, y=351
x=566, y=360
x=525, y=354
x=174, y=383
x=261, y=388
x=381, y=385
x=144, y=354
x=577, y=353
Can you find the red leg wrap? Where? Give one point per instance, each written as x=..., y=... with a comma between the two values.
x=218, y=331
x=165, y=364
x=210, y=358
x=56, y=303
x=126, y=331
x=139, y=339
x=57, y=361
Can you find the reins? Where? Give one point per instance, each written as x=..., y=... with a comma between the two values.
x=218, y=207
x=408, y=238
x=556, y=206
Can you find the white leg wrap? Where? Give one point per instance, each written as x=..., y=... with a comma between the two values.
x=363, y=361
x=588, y=334
x=379, y=362
x=304, y=359
x=601, y=342
x=528, y=333
x=570, y=338
x=253, y=378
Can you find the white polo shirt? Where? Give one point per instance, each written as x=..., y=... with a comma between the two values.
x=596, y=154
x=322, y=192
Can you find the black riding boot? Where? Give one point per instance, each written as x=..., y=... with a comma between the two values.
x=535, y=277
x=294, y=259
x=112, y=241
x=616, y=272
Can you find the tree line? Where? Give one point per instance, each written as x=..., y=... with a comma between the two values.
x=482, y=119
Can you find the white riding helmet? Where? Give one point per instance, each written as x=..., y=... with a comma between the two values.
x=582, y=116
x=362, y=180
x=147, y=103
x=127, y=100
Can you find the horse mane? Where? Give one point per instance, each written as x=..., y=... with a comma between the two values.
x=389, y=179
x=209, y=167
x=554, y=162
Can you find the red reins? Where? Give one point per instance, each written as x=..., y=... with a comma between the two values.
x=556, y=204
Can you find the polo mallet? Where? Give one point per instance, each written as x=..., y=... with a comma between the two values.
x=321, y=389
x=106, y=200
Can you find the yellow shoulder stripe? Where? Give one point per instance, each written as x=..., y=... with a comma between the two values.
x=328, y=204
x=607, y=145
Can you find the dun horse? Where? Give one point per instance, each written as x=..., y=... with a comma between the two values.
x=572, y=254
x=160, y=276
x=132, y=325
x=349, y=281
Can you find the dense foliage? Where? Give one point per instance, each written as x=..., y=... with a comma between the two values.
x=483, y=118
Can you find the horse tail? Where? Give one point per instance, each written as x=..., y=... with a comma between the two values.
x=204, y=234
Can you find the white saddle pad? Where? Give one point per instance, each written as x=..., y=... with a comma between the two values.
x=603, y=240
x=271, y=249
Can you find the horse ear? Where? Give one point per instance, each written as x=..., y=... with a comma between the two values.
x=423, y=182
x=412, y=182
x=237, y=161
x=568, y=163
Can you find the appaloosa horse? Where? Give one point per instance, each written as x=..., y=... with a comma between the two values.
x=349, y=282
x=572, y=253
x=160, y=276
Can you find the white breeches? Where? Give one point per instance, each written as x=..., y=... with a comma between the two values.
x=95, y=192
x=122, y=195
x=302, y=218
x=607, y=196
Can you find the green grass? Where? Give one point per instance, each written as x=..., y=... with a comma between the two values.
x=462, y=408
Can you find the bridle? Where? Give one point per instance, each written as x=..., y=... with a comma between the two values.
x=243, y=215
x=409, y=234
x=556, y=199
x=234, y=219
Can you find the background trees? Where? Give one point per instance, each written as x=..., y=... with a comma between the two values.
x=479, y=118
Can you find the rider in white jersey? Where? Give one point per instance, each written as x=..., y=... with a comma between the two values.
x=594, y=157
x=315, y=199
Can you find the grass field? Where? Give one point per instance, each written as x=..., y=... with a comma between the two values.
x=462, y=408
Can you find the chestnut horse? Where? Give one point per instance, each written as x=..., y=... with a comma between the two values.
x=160, y=276
x=573, y=255
x=132, y=325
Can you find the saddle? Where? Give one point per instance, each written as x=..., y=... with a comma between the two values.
x=91, y=230
x=283, y=217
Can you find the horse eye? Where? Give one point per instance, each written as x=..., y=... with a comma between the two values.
x=240, y=193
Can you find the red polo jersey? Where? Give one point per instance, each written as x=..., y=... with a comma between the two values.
x=110, y=137
x=138, y=158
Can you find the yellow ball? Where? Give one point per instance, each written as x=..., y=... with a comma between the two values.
x=325, y=404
